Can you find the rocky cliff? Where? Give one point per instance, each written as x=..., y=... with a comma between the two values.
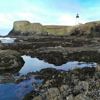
x=26, y=28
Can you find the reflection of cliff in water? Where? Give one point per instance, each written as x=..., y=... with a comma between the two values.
x=52, y=57
x=58, y=58
x=12, y=71
x=34, y=65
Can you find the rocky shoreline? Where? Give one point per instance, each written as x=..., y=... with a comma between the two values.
x=75, y=84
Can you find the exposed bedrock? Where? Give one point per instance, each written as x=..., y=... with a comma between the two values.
x=26, y=28
x=10, y=59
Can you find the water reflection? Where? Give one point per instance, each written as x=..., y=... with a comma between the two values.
x=7, y=40
x=13, y=71
x=34, y=64
x=12, y=91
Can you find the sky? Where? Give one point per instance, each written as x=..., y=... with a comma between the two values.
x=47, y=12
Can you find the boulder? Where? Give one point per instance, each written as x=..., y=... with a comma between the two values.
x=98, y=68
x=1, y=45
x=82, y=97
x=64, y=88
x=81, y=87
x=53, y=94
x=70, y=97
x=38, y=98
x=10, y=59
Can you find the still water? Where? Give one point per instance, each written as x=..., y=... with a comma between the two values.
x=12, y=91
x=7, y=39
x=34, y=64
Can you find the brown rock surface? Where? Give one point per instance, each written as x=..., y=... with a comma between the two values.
x=10, y=59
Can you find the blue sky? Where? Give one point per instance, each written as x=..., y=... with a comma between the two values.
x=47, y=12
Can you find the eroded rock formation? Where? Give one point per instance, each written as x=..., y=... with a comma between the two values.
x=26, y=28
x=10, y=59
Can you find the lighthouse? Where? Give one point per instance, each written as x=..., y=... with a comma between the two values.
x=77, y=19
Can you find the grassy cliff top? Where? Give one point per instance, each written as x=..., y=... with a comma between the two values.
x=86, y=28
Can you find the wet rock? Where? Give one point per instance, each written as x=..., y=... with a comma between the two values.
x=48, y=83
x=60, y=85
x=81, y=87
x=64, y=88
x=1, y=46
x=21, y=78
x=38, y=98
x=6, y=78
x=98, y=50
x=10, y=59
x=16, y=40
x=82, y=97
x=97, y=75
x=70, y=97
x=53, y=94
x=98, y=68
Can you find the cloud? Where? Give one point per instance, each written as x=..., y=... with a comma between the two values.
x=60, y=12
x=5, y=20
x=66, y=20
x=25, y=15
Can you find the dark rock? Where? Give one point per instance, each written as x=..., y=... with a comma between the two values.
x=82, y=97
x=1, y=45
x=81, y=87
x=16, y=40
x=53, y=94
x=10, y=59
x=38, y=98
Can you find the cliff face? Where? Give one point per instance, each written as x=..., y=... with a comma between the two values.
x=91, y=29
x=26, y=28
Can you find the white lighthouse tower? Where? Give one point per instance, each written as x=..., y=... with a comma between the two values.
x=77, y=19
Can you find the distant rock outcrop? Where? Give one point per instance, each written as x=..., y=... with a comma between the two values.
x=92, y=29
x=26, y=28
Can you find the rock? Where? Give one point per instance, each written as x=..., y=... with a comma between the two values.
x=98, y=68
x=10, y=59
x=47, y=83
x=1, y=45
x=38, y=98
x=81, y=87
x=64, y=88
x=97, y=75
x=16, y=40
x=98, y=50
x=82, y=97
x=21, y=25
x=26, y=28
x=6, y=78
x=53, y=94
x=70, y=97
